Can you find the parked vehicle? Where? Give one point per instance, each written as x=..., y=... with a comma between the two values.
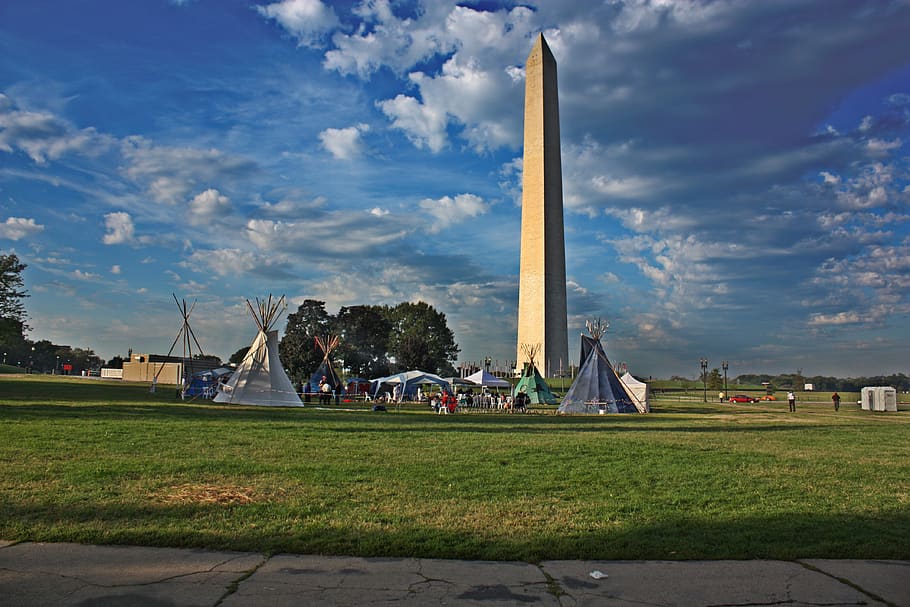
x=742, y=398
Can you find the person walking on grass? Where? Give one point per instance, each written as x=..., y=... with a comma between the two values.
x=835, y=398
x=791, y=398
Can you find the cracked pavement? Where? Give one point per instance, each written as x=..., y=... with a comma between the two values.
x=94, y=576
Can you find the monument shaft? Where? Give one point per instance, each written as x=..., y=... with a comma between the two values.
x=542, y=282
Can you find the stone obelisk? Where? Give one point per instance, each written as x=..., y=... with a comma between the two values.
x=542, y=282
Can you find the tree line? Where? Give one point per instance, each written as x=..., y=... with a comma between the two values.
x=714, y=381
x=15, y=348
x=825, y=383
x=374, y=340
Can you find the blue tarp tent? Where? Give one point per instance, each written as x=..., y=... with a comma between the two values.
x=204, y=383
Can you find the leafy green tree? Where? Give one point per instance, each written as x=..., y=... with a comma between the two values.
x=83, y=360
x=715, y=380
x=209, y=357
x=364, y=333
x=297, y=349
x=421, y=339
x=12, y=292
x=238, y=356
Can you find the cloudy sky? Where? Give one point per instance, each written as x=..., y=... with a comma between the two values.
x=735, y=172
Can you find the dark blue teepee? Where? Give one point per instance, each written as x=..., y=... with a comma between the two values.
x=597, y=387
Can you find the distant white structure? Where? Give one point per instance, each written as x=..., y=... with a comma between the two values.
x=808, y=387
x=878, y=398
x=260, y=379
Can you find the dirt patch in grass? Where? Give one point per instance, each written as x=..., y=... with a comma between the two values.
x=207, y=494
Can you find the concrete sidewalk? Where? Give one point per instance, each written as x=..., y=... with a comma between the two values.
x=73, y=574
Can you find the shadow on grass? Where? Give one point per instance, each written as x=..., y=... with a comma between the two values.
x=369, y=422
x=257, y=529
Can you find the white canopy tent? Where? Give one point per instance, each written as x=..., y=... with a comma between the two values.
x=485, y=378
x=638, y=390
x=407, y=382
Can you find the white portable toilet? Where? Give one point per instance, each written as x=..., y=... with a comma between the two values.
x=879, y=398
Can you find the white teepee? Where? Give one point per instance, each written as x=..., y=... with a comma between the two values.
x=260, y=379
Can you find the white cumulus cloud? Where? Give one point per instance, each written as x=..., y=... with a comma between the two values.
x=424, y=125
x=345, y=143
x=208, y=206
x=171, y=173
x=307, y=20
x=447, y=211
x=120, y=229
x=80, y=275
x=42, y=135
x=17, y=228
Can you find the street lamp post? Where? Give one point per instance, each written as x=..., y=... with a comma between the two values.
x=57, y=365
x=704, y=376
x=725, y=365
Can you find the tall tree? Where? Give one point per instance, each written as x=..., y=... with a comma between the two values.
x=238, y=356
x=12, y=292
x=297, y=348
x=364, y=332
x=421, y=339
x=715, y=381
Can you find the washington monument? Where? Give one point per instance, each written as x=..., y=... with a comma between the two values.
x=542, y=280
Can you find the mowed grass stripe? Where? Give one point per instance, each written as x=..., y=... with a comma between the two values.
x=99, y=462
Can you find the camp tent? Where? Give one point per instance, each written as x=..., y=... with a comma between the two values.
x=205, y=383
x=638, y=390
x=260, y=379
x=485, y=378
x=406, y=383
x=355, y=386
x=597, y=388
x=457, y=382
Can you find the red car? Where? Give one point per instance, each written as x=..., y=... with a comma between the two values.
x=742, y=398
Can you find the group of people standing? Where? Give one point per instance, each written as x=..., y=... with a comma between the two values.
x=791, y=399
x=324, y=389
x=446, y=402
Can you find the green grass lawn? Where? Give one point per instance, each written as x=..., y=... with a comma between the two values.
x=86, y=460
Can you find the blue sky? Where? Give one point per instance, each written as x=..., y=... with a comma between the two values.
x=735, y=173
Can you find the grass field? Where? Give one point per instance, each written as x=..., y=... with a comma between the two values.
x=90, y=461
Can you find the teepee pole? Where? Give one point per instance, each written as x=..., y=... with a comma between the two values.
x=184, y=335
